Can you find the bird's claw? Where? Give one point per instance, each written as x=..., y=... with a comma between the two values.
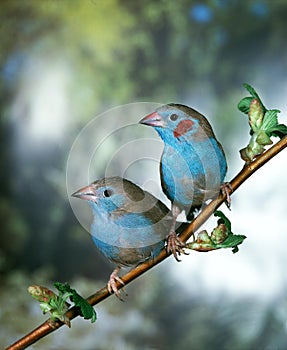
x=175, y=246
x=112, y=284
x=225, y=189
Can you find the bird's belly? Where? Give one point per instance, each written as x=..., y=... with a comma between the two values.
x=128, y=256
x=189, y=182
x=128, y=243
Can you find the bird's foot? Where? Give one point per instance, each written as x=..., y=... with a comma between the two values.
x=225, y=189
x=112, y=284
x=175, y=246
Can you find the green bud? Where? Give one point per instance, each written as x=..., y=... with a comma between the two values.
x=50, y=302
x=203, y=237
x=203, y=243
x=42, y=294
x=263, y=139
x=253, y=150
x=219, y=234
x=255, y=115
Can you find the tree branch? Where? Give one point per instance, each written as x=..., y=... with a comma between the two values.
x=48, y=326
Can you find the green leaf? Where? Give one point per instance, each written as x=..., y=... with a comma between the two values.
x=223, y=220
x=254, y=94
x=244, y=104
x=45, y=307
x=87, y=310
x=270, y=119
x=63, y=287
x=280, y=130
x=232, y=241
x=251, y=90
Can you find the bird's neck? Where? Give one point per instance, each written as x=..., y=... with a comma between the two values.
x=98, y=214
x=168, y=137
x=179, y=144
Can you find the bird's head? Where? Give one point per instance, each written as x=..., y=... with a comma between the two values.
x=179, y=122
x=110, y=194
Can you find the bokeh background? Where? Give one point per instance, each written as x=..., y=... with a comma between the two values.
x=65, y=62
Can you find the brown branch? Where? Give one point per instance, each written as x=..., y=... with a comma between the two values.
x=48, y=327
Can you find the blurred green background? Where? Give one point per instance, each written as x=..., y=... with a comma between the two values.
x=63, y=62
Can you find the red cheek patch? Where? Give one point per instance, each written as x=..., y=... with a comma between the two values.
x=183, y=127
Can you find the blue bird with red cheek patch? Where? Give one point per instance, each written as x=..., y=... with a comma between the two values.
x=193, y=164
x=129, y=224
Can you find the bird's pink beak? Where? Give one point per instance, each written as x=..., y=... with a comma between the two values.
x=88, y=193
x=153, y=119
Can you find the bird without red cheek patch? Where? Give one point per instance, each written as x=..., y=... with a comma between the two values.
x=183, y=127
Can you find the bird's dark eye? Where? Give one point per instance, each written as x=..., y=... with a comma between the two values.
x=108, y=193
x=173, y=117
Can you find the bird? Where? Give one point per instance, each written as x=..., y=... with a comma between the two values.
x=192, y=166
x=129, y=224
